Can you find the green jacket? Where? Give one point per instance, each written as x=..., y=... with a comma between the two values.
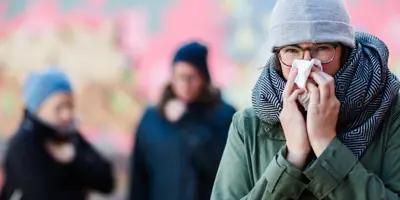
x=254, y=167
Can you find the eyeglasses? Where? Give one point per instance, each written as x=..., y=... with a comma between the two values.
x=325, y=52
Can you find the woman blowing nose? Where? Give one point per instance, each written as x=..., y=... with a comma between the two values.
x=47, y=158
x=346, y=145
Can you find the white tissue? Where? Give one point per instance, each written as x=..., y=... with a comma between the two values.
x=304, y=69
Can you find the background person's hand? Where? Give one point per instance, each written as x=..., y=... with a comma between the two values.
x=62, y=152
x=293, y=124
x=174, y=109
x=323, y=111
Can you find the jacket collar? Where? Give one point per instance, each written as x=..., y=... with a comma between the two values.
x=33, y=124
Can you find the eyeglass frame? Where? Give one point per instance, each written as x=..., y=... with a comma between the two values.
x=278, y=49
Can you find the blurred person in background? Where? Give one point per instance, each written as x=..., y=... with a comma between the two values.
x=345, y=144
x=180, y=141
x=47, y=158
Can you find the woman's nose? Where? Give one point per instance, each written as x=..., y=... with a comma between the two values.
x=307, y=55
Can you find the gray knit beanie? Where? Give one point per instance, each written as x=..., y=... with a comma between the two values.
x=300, y=21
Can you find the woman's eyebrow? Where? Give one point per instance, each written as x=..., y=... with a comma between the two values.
x=294, y=45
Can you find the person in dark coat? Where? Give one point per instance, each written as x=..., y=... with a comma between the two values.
x=47, y=158
x=180, y=141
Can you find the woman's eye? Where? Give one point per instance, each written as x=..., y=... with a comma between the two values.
x=291, y=51
x=322, y=48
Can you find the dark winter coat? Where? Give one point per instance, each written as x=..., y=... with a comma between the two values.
x=32, y=174
x=179, y=161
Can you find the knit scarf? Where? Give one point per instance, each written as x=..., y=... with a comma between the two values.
x=364, y=86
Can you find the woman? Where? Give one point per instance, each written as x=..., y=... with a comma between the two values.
x=180, y=141
x=47, y=158
x=347, y=144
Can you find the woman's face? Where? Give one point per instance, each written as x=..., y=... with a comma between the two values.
x=58, y=110
x=187, y=82
x=330, y=68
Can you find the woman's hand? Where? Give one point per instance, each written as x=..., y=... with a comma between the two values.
x=293, y=124
x=174, y=110
x=62, y=152
x=323, y=111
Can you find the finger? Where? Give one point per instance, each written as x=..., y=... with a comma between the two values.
x=289, y=84
x=331, y=81
x=292, y=100
x=314, y=93
x=295, y=95
x=315, y=69
x=323, y=85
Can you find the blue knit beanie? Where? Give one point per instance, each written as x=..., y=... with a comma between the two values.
x=41, y=85
x=195, y=54
x=301, y=21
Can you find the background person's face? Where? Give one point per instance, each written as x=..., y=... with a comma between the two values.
x=58, y=110
x=187, y=82
x=330, y=68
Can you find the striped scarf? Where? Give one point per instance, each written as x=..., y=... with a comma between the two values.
x=364, y=86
